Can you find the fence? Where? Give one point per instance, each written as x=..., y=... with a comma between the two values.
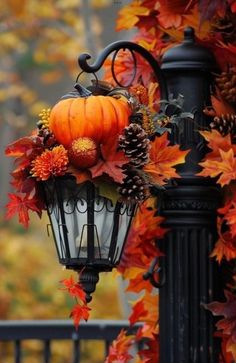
x=46, y=331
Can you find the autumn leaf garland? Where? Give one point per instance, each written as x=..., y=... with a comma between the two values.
x=220, y=164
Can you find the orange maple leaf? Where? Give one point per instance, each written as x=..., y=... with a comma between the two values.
x=230, y=217
x=163, y=158
x=144, y=309
x=217, y=142
x=140, y=248
x=79, y=312
x=129, y=15
x=171, y=14
x=136, y=280
x=225, y=168
x=111, y=162
x=119, y=350
x=225, y=247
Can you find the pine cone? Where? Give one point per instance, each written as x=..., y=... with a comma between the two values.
x=226, y=26
x=225, y=124
x=134, y=188
x=135, y=144
x=226, y=82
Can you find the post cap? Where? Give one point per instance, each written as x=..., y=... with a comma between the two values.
x=188, y=55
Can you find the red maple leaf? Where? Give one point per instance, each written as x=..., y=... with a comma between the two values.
x=22, y=182
x=74, y=288
x=227, y=325
x=79, y=312
x=138, y=313
x=21, y=205
x=25, y=150
x=23, y=146
x=111, y=162
x=150, y=353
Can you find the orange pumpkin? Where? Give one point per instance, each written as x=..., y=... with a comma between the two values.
x=96, y=117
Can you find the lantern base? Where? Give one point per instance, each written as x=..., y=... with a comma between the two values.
x=89, y=278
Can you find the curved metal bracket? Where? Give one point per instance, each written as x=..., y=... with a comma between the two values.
x=155, y=270
x=123, y=45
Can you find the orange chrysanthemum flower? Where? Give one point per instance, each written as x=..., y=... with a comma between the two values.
x=50, y=163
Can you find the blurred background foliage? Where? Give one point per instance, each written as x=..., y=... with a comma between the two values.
x=39, y=45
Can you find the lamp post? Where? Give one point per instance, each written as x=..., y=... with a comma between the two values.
x=90, y=232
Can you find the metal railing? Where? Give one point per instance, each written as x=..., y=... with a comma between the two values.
x=46, y=331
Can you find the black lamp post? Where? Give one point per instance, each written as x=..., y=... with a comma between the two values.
x=90, y=231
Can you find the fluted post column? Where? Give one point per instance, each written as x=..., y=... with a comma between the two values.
x=190, y=204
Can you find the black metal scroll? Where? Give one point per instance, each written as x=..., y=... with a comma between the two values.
x=124, y=45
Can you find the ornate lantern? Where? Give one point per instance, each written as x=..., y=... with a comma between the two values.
x=89, y=230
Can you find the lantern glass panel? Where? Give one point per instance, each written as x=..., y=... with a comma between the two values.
x=87, y=227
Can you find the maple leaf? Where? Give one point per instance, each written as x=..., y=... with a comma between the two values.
x=138, y=313
x=140, y=247
x=79, y=312
x=119, y=350
x=21, y=205
x=150, y=353
x=144, y=309
x=217, y=142
x=225, y=247
x=111, y=163
x=230, y=217
x=129, y=15
x=171, y=14
x=163, y=158
x=233, y=6
x=228, y=324
x=25, y=150
x=74, y=288
x=80, y=175
x=124, y=69
x=228, y=351
x=22, y=182
x=226, y=167
x=137, y=282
